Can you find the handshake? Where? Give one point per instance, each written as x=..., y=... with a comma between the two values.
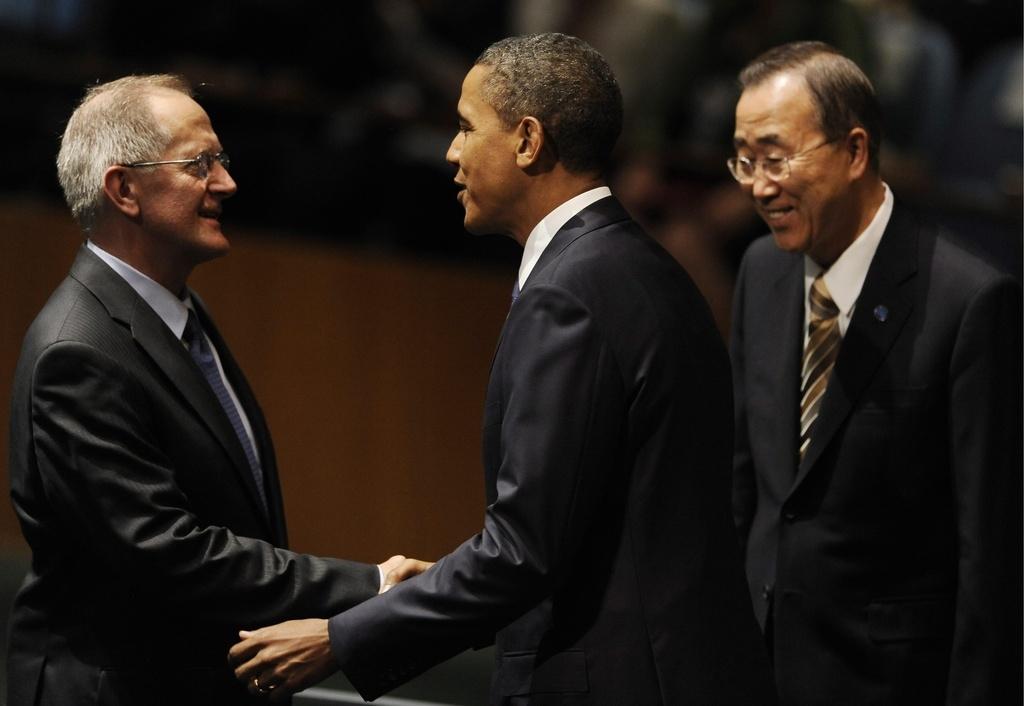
x=282, y=659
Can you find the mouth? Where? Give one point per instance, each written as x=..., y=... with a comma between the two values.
x=210, y=213
x=461, y=195
x=775, y=215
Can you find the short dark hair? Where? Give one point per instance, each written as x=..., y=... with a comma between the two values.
x=564, y=83
x=842, y=93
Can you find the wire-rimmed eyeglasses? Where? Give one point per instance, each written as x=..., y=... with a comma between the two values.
x=744, y=170
x=202, y=163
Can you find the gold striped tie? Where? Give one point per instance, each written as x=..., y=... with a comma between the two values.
x=820, y=353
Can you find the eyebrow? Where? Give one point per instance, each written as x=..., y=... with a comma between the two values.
x=198, y=147
x=770, y=139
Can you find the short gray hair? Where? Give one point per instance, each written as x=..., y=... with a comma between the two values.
x=842, y=94
x=564, y=83
x=114, y=124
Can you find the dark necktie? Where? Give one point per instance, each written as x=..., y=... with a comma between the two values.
x=199, y=349
x=820, y=353
x=515, y=291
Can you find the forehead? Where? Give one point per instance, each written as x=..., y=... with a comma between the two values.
x=472, y=104
x=779, y=110
x=182, y=117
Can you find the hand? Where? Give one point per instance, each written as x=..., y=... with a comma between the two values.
x=396, y=572
x=282, y=659
x=386, y=567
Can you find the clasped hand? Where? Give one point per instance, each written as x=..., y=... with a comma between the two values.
x=279, y=660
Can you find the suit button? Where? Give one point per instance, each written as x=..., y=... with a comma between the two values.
x=766, y=593
x=790, y=516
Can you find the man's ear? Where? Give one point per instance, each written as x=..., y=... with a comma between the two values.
x=120, y=190
x=533, y=149
x=857, y=146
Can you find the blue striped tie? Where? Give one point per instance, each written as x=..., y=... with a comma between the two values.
x=199, y=349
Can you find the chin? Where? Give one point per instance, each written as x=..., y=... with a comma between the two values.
x=473, y=230
x=476, y=227
x=789, y=241
x=213, y=246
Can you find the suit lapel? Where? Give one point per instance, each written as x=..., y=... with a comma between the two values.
x=597, y=215
x=883, y=306
x=785, y=359
x=167, y=352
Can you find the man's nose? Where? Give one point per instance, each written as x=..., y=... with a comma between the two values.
x=454, y=149
x=221, y=181
x=763, y=187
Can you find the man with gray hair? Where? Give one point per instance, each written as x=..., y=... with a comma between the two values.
x=141, y=468
x=877, y=368
x=607, y=569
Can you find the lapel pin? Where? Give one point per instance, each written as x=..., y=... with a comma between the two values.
x=882, y=312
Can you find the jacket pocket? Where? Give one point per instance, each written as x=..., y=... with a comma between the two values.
x=171, y=687
x=910, y=618
x=897, y=399
x=521, y=673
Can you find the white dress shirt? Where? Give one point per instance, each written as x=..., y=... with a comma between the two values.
x=845, y=278
x=544, y=231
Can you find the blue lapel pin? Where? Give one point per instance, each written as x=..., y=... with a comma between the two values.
x=881, y=312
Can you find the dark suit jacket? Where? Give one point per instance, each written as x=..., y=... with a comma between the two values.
x=607, y=562
x=890, y=558
x=150, y=549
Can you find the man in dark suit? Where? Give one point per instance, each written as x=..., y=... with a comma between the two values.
x=877, y=367
x=141, y=468
x=607, y=563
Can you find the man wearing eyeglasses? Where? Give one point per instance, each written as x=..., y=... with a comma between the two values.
x=877, y=485
x=141, y=468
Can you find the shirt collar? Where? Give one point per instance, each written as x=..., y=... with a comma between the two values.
x=544, y=231
x=171, y=310
x=845, y=278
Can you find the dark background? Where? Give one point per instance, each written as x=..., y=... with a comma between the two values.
x=337, y=114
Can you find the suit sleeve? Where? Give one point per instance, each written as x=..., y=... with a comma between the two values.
x=562, y=411
x=107, y=482
x=744, y=484
x=985, y=439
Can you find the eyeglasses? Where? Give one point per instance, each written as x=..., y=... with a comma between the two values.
x=201, y=163
x=744, y=170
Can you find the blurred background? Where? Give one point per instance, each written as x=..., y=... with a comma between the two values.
x=348, y=247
